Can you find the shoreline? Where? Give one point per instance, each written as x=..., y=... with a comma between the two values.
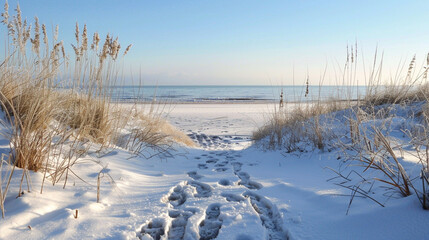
x=226, y=102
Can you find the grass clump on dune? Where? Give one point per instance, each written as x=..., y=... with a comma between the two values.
x=372, y=132
x=298, y=123
x=57, y=109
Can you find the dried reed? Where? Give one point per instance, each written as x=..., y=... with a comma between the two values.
x=56, y=112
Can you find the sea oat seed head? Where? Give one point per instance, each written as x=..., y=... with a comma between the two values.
x=95, y=41
x=105, y=49
x=26, y=32
x=76, y=52
x=76, y=34
x=56, y=33
x=84, y=46
x=18, y=16
x=54, y=55
x=127, y=49
x=11, y=29
x=36, y=41
x=307, y=86
x=114, y=48
x=45, y=35
x=62, y=50
x=5, y=14
x=411, y=66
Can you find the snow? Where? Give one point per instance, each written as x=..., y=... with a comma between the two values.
x=227, y=188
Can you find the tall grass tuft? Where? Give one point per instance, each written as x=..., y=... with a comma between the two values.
x=361, y=128
x=297, y=123
x=56, y=108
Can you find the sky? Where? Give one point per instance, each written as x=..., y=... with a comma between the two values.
x=236, y=42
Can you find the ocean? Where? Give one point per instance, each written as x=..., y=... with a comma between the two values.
x=232, y=94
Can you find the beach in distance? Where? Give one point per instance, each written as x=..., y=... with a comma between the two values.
x=232, y=94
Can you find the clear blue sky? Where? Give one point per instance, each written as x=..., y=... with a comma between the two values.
x=242, y=42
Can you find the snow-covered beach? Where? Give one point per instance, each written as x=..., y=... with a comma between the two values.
x=230, y=120
x=226, y=188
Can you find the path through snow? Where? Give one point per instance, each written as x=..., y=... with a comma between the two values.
x=221, y=154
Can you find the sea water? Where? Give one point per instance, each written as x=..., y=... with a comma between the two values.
x=232, y=94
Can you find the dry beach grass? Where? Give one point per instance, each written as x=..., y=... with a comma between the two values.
x=57, y=108
x=360, y=128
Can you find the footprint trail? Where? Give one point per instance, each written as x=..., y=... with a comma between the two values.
x=210, y=226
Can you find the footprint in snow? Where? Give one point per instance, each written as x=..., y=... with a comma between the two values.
x=220, y=169
x=154, y=228
x=178, y=224
x=221, y=164
x=194, y=175
x=225, y=182
x=202, y=166
x=203, y=190
x=269, y=215
x=177, y=197
x=210, y=226
x=243, y=176
x=231, y=197
x=214, y=160
x=245, y=181
x=237, y=166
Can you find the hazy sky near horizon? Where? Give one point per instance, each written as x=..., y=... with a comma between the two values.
x=243, y=42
